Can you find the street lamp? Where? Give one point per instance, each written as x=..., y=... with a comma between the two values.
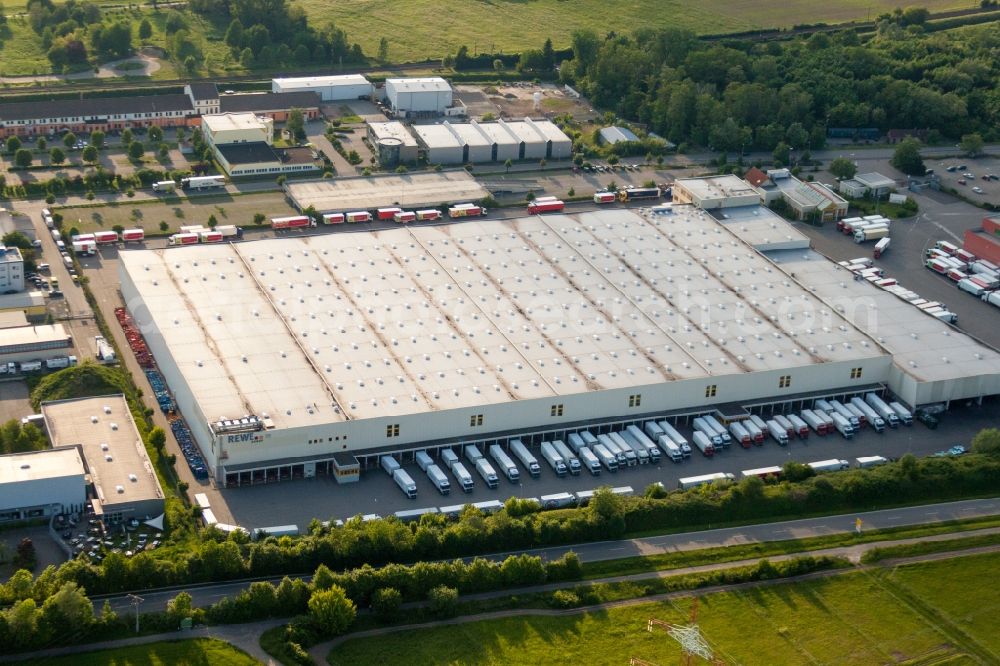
x=135, y=600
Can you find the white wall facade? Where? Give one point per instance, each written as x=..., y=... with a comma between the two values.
x=22, y=500
x=329, y=88
x=405, y=96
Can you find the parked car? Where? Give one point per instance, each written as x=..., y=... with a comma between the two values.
x=927, y=418
x=977, y=190
x=961, y=181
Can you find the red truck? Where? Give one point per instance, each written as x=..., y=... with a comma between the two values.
x=359, y=216
x=210, y=236
x=388, y=213
x=405, y=216
x=333, y=218
x=430, y=214
x=105, y=237
x=183, y=239
x=466, y=210
x=605, y=197
x=133, y=235
x=546, y=206
x=294, y=222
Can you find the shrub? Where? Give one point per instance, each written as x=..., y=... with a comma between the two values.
x=443, y=601
x=564, y=599
x=386, y=602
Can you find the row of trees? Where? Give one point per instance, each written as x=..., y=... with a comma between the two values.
x=16, y=437
x=521, y=525
x=737, y=95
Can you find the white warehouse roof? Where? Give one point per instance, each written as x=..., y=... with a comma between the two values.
x=404, y=321
x=437, y=136
x=392, y=129
x=310, y=82
x=47, y=464
x=415, y=85
x=220, y=122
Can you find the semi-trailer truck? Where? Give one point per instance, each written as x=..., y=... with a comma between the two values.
x=389, y=464
x=865, y=462
x=405, y=483
x=550, y=206
x=590, y=461
x=814, y=421
x=486, y=471
x=704, y=444
x=694, y=481
x=472, y=453
x=842, y=425
x=529, y=461
x=779, y=434
x=839, y=408
x=292, y=222
x=203, y=182
x=462, y=476
x=801, y=427
x=605, y=197
x=754, y=430
x=554, y=459
x=424, y=460
x=874, y=419
x=608, y=459
x=572, y=460
x=466, y=210
x=439, y=479
x=883, y=409
x=714, y=424
x=675, y=437
x=833, y=465
x=785, y=423
x=902, y=413
x=631, y=449
x=670, y=448
x=740, y=434
x=700, y=425
x=613, y=449
x=639, y=436
x=507, y=466
x=164, y=186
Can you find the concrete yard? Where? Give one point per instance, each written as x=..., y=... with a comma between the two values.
x=300, y=501
x=408, y=190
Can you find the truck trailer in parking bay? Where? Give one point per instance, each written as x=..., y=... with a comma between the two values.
x=801, y=427
x=639, y=436
x=694, y=481
x=833, y=465
x=589, y=460
x=876, y=422
x=571, y=459
x=675, y=437
x=762, y=472
x=883, y=409
x=608, y=459
x=405, y=482
x=507, y=466
x=486, y=471
x=462, y=476
x=554, y=459
x=865, y=462
x=438, y=478
x=424, y=460
x=529, y=461
x=415, y=514
x=704, y=444
x=902, y=413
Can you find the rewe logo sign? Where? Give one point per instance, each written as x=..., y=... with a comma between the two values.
x=245, y=437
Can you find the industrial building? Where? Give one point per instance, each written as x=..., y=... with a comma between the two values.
x=460, y=143
x=613, y=135
x=11, y=270
x=418, y=97
x=805, y=199
x=412, y=190
x=340, y=88
x=124, y=482
x=864, y=184
x=985, y=241
x=726, y=191
x=29, y=343
x=242, y=143
x=393, y=143
x=475, y=332
x=40, y=484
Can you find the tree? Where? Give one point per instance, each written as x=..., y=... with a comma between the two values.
x=323, y=578
x=972, y=144
x=23, y=158
x=443, y=600
x=25, y=557
x=331, y=610
x=190, y=64
x=386, y=602
x=97, y=139
x=258, y=218
x=296, y=124
x=126, y=136
x=68, y=610
x=212, y=221
x=13, y=143
x=781, y=153
x=907, y=158
x=164, y=226
x=145, y=29
x=90, y=154
x=234, y=34
x=987, y=441
x=42, y=143
x=136, y=150
x=843, y=168
x=69, y=140
x=179, y=607
x=155, y=134
x=383, y=50
x=508, y=164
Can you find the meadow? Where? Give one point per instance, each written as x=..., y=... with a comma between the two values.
x=855, y=618
x=195, y=652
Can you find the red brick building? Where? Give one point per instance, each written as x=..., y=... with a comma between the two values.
x=985, y=242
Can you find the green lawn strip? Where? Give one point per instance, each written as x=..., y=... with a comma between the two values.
x=962, y=596
x=273, y=642
x=928, y=547
x=844, y=619
x=194, y=652
x=675, y=560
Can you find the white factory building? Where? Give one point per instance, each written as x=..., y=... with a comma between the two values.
x=228, y=128
x=393, y=143
x=309, y=356
x=418, y=97
x=342, y=88
x=40, y=484
x=11, y=269
x=461, y=143
x=243, y=146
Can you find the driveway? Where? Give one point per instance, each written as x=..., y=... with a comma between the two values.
x=140, y=65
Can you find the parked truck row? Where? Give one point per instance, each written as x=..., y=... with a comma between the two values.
x=391, y=214
x=863, y=269
x=970, y=274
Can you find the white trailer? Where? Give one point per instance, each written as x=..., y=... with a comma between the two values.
x=576, y=442
x=842, y=425
x=631, y=457
x=704, y=444
x=652, y=430
x=865, y=462
x=590, y=461
x=740, y=434
x=833, y=465
x=755, y=431
x=529, y=461
x=583, y=497
x=675, y=437
x=714, y=424
x=415, y=514
x=554, y=459
x=883, y=409
x=486, y=471
x=472, y=453
x=557, y=500
x=439, y=479
x=772, y=472
x=814, y=421
x=823, y=405
x=462, y=476
x=861, y=416
x=608, y=459
x=839, y=408
x=507, y=466
x=874, y=419
x=424, y=460
x=614, y=450
x=785, y=423
x=625, y=440
x=389, y=464
x=203, y=182
x=902, y=413
x=694, y=481
x=164, y=186
x=449, y=458
x=572, y=461
x=702, y=426
x=405, y=483
x=639, y=436
x=670, y=449
x=779, y=434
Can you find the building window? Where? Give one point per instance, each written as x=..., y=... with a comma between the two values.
x=556, y=410
x=784, y=381
x=855, y=373
x=392, y=430
x=634, y=400
x=711, y=390
x=476, y=420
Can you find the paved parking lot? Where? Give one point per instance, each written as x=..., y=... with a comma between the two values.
x=14, y=403
x=976, y=168
x=299, y=501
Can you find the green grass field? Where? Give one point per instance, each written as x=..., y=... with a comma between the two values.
x=849, y=619
x=421, y=29
x=194, y=652
x=177, y=212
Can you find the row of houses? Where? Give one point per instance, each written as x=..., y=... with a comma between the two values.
x=472, y=142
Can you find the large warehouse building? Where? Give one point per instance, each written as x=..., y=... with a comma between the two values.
x=418, y=97
x=40, y=484
x=485, y=330
x=329, y=88
x=459, y=143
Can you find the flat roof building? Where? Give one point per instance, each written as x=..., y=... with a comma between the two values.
x=26, y=343
x=714, y=192
x=393, y=142
x=875, y=183
x=340, y=88
x=40, y=484
x=124, y=481
x=539, y=139
x=412, y=190
x=416, y=97
x=613, y=135
x=245, y=127
x=11, y=269
x=806, y=199
x=425, y=336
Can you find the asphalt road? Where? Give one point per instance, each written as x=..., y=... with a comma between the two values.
x=612, y=550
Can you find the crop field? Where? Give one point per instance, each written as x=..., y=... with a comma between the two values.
x=178, y=211
x=422, y=29
x=856, y=618
x=195, y=652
